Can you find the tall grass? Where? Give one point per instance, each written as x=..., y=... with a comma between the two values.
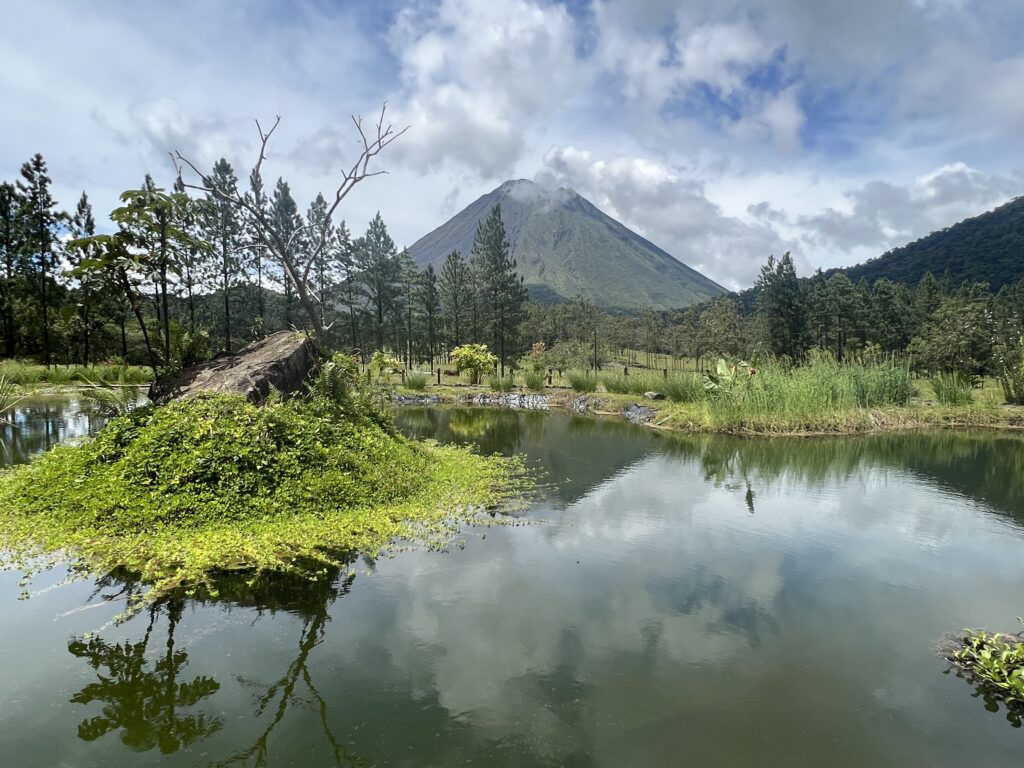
x=416, y=381
x=822, y=391
x=501, y=383
x=581, y=381
x=536, y=381
x=952, y=388
x=22, y=373
x=679, y=387
x=8, y=394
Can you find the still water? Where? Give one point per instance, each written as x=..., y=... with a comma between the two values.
x=672, y=601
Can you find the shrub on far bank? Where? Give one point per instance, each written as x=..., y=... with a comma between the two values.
x=536, y=381
x=581, y=381
x=416, y=381
x=952, y=388
x=501, y=383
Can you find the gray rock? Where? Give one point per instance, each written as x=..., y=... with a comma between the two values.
x=581, y=404
x=638, y=414
x=398, y=399
x=282, y=360
x=523, y=402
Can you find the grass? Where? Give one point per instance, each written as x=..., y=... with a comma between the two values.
x=952, y=388
x=181, y=493
x=25, y=373
x=678, y=387
x=416, y=381
x=501, y=383
x=536, y=381
x=581, y=381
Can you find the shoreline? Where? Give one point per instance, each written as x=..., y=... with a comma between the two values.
x=694, y=418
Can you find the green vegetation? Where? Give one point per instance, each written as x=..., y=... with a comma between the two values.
x=996, y=662
x=952, y=388
x=985, y=248
x=536, y=381
x=501, y=383
x=25, y=373
x=179, y=493
x=416, y=381
x=581, y=381
x=474, y=359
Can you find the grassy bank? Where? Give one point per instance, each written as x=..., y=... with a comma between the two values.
x=823, y=396
x=180, y=493
x=27, y=374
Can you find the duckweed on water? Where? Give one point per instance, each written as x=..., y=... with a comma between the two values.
x=181, y=493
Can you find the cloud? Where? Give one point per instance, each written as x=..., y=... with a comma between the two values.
x=476, y=75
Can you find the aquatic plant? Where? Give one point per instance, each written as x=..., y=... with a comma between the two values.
x=179, y=493
x=996, y=662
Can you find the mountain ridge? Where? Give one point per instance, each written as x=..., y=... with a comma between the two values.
x=987, y=248
x=565, y=246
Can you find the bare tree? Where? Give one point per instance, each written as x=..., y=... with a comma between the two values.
x=297, y=270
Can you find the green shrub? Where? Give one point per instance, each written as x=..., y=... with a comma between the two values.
x=474, y=358
x=952, y=388
x=22, y=373
x=501, y=383
x=181, y=492
x=581, y=381
x=416, y=381
x=536, y=381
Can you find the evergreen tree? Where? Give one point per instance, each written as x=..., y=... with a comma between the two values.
x=224, y=232
x=380, y=274
x=429, y=300
x=10, y=245
x=41, y=221
x=286, y=221
x=456, y=294
x=503, y=294
x=90, y=294
x=780, y=307
x=187, y=221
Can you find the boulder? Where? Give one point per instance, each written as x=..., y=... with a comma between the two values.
x=281, y=361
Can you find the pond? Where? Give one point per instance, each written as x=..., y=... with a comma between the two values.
x=668, y=601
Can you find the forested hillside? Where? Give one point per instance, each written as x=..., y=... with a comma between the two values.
x=987, y=248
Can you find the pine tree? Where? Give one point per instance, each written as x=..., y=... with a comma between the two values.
x=83, y=224
x=187, y=220
x=10, y=245
x=380, y=274
x=502, y=290
x=429, y=300
x=41, y=222
x=780, y=306
x=455, y=288
x=284, y=216
x=325, y=267
x=224, y=232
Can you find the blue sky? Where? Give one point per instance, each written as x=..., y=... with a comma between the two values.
x=723, y=130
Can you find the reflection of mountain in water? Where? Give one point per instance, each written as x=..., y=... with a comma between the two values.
x=576, y=453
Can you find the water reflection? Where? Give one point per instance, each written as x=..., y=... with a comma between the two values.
x=147, y=702
x=646, y=617
x=143, y=700
x=39, y=422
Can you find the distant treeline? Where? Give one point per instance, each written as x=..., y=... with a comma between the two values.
x=192, y=278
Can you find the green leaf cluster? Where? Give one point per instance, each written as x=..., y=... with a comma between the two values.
x=997, y=662
x=181, y=493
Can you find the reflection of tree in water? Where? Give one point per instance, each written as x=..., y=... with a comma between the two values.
x=144, y=702
x=144, y=699
x=309, y=601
